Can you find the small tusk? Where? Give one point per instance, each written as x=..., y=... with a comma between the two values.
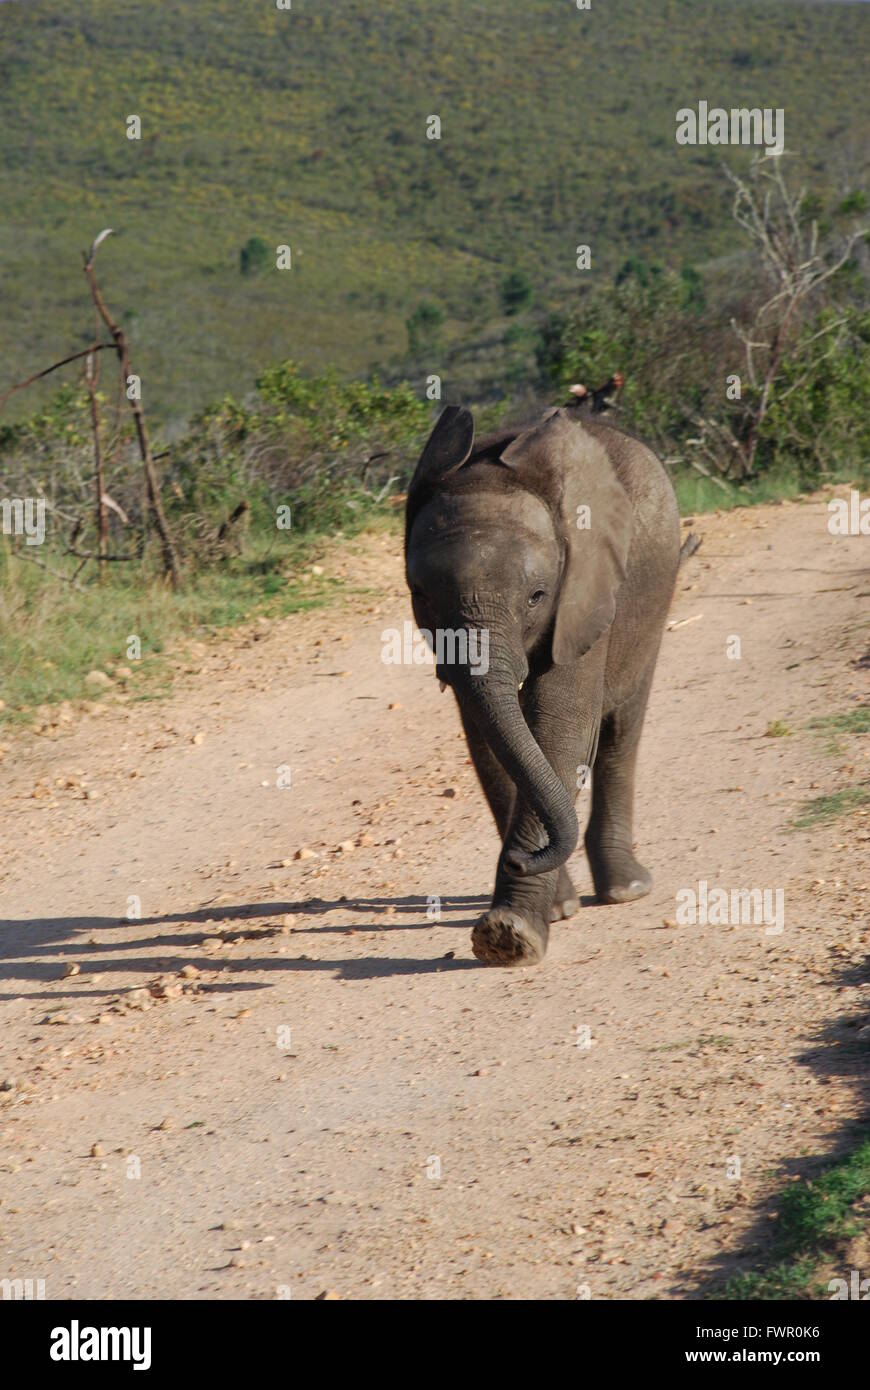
x=520, y=686
x=442, y=686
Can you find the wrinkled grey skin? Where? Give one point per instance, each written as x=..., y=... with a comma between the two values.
x=575, y=617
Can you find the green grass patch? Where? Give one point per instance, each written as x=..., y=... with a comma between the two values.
x=823, y=809
x=777, y=729
x=853, y=721
x=696, y=493
x=714, y=1040
x=813, y=1217
x=53, y=635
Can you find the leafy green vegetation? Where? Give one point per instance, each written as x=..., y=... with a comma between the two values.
x=254, y=256
x=817, y=422
x=813, y=1216
x=424, y=328
x=307, y=127
x=516, y=292
x=297, y=456
x=53, y=635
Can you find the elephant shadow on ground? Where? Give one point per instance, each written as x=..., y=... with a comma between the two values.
x=30, y=949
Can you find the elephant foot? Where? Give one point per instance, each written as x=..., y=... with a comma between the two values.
x=618, y=877
x=503, y=937
x=566, y=900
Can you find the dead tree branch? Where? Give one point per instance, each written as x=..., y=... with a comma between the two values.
x=92, y=377
x=770, y=213
x=55, y=574
x=37, y=376
x=170, y=558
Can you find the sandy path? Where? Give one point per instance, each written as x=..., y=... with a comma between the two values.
x=267, y=1166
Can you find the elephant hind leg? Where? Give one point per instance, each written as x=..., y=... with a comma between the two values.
x=617, y=874
x=566, y=900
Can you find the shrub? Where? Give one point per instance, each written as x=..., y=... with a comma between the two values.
x=254, y=256
x=516, y=292
x=424, y=327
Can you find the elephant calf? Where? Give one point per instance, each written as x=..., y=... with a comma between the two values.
x=559, y=543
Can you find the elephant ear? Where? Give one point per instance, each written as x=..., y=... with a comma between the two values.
x=573, y=468
x=447, y=449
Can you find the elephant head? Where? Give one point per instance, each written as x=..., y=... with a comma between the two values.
x=522, y=541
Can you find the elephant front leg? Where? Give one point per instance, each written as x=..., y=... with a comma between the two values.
x=501, y=795
x=516, y=929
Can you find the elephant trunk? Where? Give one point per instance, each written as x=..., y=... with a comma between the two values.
x=495, y=709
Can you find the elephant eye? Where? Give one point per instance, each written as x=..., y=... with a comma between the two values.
x=536, y=597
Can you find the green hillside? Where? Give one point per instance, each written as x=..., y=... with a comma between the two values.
x=308, y=128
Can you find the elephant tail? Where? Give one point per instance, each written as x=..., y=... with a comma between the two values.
x=688, y=548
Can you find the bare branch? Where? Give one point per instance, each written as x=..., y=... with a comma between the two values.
x=55, y=574
x=770, y=213
x=170, y=558
x=37, y=376
x=97, y=243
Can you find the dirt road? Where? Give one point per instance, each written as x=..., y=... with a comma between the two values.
x=283, y=1078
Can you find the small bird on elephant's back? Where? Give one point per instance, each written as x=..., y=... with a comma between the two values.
x=552, y=548
x=601, y=401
